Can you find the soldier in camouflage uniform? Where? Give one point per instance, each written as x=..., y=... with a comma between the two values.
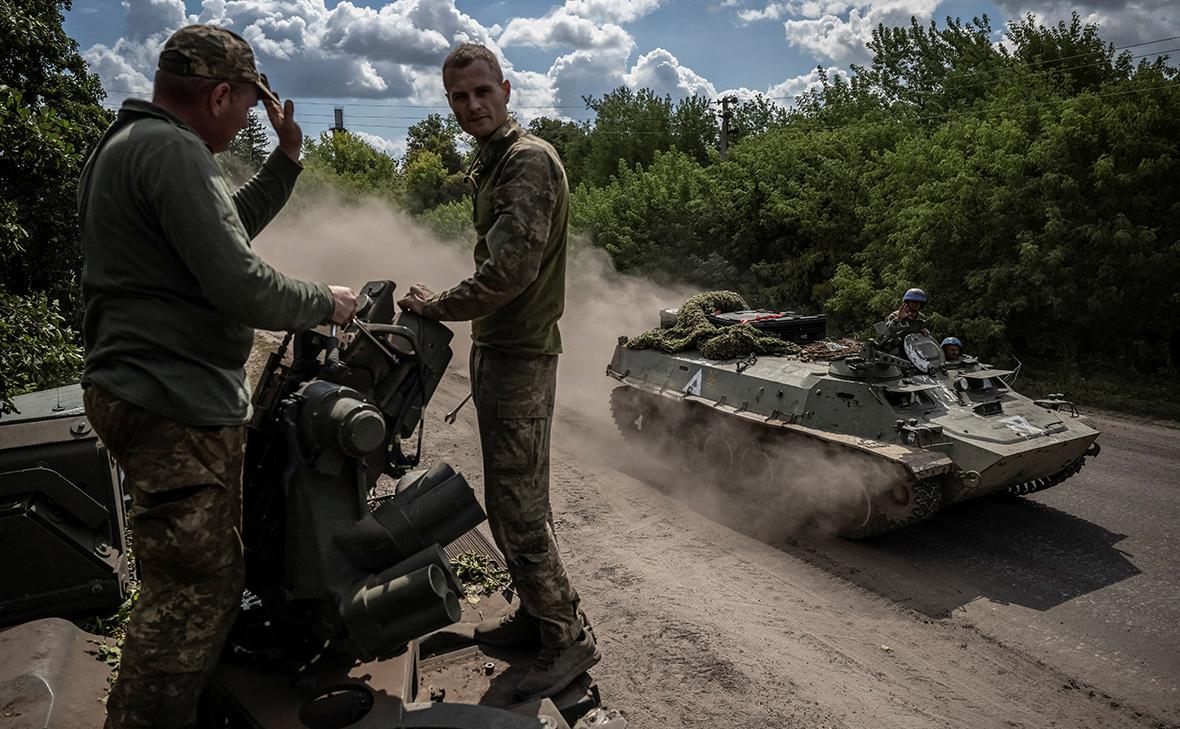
x=908, y=319
x=514, y=300
x=172, y=293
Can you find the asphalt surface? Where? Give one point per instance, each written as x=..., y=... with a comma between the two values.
x=1084, y=576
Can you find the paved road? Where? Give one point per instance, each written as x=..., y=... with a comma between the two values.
x=1084, y=576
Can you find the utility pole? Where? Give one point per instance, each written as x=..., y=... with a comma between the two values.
x=726, y=115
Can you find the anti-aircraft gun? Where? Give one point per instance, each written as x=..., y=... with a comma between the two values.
x=345, y=539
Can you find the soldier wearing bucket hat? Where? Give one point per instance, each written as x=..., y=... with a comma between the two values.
x=173, y=293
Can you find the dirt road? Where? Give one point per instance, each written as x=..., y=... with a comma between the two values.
x=704, y=626
x=1055, y=611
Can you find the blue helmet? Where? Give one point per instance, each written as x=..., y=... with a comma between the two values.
x=952, y=340
x=915, y=295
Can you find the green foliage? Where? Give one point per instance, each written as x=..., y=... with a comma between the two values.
x=1031, y=188
x=37, y=350
x=450, y=221
x=113, y=630
x=438, y=135
x=571, y=141
x=50, y=116
x=428, y=184
x=480, y=576
x=754, y=116
x=251, y=145
x=631, y=127
x=347, y=166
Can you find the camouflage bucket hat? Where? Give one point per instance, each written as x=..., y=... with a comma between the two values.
x=208, y=51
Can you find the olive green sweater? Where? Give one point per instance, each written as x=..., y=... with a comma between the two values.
x=517, y=293
x=171, y=286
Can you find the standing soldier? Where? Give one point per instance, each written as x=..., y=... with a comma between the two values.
x=514, y=300
x=172, y=293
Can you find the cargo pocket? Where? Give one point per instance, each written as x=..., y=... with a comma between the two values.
x=517, y=436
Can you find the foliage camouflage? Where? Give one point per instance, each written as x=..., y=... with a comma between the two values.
x=693, y=330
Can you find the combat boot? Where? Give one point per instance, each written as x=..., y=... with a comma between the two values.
x=516, y=628
x=556, y=668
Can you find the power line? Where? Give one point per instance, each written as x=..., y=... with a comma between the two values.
x=377, y=105
x=982, y=113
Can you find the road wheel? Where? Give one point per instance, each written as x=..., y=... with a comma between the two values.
x=719, y=458
x=905, y=504
x=635, y=414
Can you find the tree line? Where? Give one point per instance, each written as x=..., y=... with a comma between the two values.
x=1031, y=187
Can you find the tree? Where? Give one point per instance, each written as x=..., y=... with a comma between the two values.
x=695, y=129
x=569, y=139
x=427, y=183
x=352, y=159
x=251, y=145
x=755, y=115
x=50, y=117
x=439, y=135
x=629, y=128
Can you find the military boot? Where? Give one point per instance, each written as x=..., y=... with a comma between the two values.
x=516, y=628
x=556, y=668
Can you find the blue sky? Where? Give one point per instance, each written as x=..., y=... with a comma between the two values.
x=379, y=59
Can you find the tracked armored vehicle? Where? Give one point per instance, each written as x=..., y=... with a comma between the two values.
x=921, y=432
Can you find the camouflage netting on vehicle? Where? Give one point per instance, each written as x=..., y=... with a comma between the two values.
x=693, y=330
x=829, y=350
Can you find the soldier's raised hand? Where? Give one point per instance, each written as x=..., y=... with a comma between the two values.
x=288, y=130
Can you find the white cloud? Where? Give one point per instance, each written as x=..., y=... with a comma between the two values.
x=305, y=48
x=395, y=148
x=838, y=29
x=784, y=93
x=772, y=11
x=587, y=73
x=117, y=75
x=385, y=35
x=1120, y=22
x=614, y=11
x=661, y=72
x=146, y=18
x=564, y=30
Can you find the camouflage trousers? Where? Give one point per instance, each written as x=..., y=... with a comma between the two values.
x=185, y=484
x=514, y=401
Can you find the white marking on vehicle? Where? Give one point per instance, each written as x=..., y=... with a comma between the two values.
x=694, y=385
x=1020, y=426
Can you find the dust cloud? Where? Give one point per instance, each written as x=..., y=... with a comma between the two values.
x=767, y=488
x=349, y=244
x=766, y=482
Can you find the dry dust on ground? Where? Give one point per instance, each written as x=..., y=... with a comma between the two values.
x=700, y=625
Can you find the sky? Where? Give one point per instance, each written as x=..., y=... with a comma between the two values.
x=380, y=60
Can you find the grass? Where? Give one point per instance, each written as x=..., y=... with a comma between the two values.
x=112, y=627
x=1153, y=396
x=480, y=576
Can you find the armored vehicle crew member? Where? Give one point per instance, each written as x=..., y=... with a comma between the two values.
x=172, y=293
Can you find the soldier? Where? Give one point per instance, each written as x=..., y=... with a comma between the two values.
x=514, y=300
x=908, y=319
x=952, y=348
x=172, y=292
